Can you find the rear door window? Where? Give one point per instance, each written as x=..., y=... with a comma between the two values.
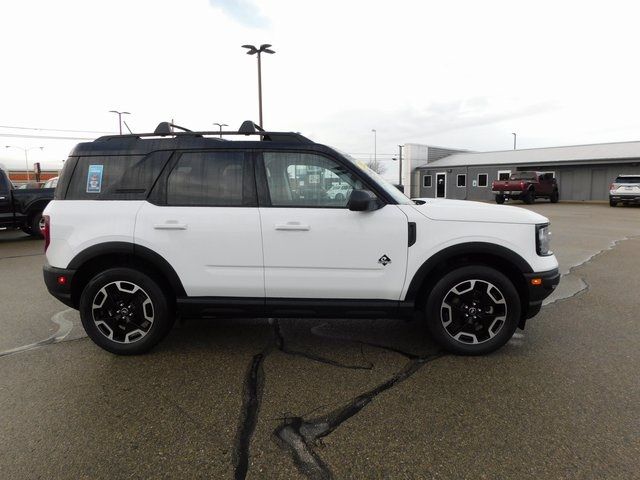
x=211, y=179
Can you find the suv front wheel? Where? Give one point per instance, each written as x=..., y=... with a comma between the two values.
x=473, y=310
x=124, y=311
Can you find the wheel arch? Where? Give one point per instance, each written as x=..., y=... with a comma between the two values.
x=111, y=254
x=34, y=208
x=501, y=258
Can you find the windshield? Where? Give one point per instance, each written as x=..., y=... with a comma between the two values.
x=387, y=186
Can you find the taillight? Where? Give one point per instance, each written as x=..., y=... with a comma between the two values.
x=612, y=186
x=521, y=184
x=46, y=231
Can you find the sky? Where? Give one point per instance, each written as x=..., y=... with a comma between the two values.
x=457, y=73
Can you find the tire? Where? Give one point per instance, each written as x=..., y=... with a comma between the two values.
x=555, y=196
x=127, y=299
x=35, y=226
x=452, y=299
x=499, y=199
x=612, y=203
x=26, y=230
x=528, y=197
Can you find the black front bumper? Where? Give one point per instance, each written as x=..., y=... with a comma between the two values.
x=537, y=293
x=62, y=291
x=625, y=198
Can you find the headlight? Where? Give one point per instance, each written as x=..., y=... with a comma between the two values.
x=543, y=240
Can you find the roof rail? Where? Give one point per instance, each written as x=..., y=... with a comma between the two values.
x=247, y=128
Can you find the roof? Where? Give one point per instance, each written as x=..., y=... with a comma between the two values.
x=548, y=155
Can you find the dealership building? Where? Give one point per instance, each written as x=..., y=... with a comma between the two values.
x=583, y=172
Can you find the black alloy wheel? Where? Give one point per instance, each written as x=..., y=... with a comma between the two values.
x=124, y=311
x=473, y=310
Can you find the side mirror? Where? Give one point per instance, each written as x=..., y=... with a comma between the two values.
x=362, y=201
x=399, y=187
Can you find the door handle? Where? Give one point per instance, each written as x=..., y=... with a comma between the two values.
x=293, y=226
x=170, y=226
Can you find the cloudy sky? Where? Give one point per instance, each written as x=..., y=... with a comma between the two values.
x=463, y=74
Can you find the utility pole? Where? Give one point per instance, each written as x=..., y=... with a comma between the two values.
x=375, y=145
x=400, y=164
x=514, y=139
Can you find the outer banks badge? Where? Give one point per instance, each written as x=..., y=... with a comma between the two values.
x=94, y=178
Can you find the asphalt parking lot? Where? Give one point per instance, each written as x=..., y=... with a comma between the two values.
x=338, y=398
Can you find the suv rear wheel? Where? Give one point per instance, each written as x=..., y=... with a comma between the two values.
x=473, y=310
x=124, y=311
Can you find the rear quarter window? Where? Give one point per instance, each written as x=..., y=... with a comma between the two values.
x=129, y=177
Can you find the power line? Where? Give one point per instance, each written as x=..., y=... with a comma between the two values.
x=53, y=129
x=49, y=137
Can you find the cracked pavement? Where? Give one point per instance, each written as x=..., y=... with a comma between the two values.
x=245, y=398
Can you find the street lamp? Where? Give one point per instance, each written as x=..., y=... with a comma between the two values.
x=26, y=157
x=252, y=50
x=375, y=144
x=514, y=139
x=221, y=125
x=119, y=117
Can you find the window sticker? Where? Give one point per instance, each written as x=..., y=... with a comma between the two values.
x=94, y=178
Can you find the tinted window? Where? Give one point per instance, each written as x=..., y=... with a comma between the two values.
x=4, y=182
x=462, y=180
x=426, y=181
x=523, y=176
x=208, y=179
x=628, y=180
x=306, y=180
x=115, y=177
x=482, y=179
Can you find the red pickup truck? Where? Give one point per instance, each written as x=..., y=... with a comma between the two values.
x=526, y=186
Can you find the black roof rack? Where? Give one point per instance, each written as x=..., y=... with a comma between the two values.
x=247, y=128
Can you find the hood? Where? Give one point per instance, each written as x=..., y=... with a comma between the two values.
x=467, y=211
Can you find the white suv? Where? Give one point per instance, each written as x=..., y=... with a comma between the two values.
x=147, y=227
x=625, y=189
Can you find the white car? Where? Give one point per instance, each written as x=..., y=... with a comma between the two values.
x=143, y=229
x=339, y=191
x=625, y=189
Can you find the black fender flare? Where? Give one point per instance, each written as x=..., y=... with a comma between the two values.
x=136, y=251
x=461, y=250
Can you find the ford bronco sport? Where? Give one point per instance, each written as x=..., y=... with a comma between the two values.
x=147, y=227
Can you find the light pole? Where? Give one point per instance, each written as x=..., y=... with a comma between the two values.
x=375, y=145
x=119, y=117
x=514, y=139
x=26, y=156
x=221, y=125
x=252, y=50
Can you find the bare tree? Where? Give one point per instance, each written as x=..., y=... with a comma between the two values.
x=377, y=166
